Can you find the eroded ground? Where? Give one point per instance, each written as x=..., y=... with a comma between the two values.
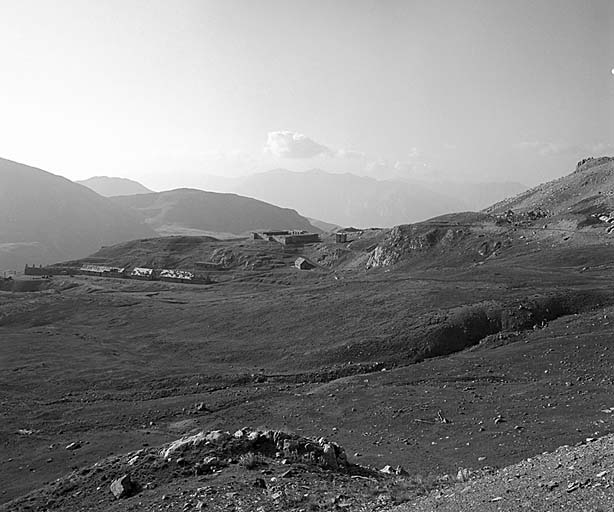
x=115, y=366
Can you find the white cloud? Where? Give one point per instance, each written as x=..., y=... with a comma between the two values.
x=350, y=154
x=309, y=154
x=285, y=144
x=550, y=148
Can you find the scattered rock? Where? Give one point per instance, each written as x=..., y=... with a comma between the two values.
x=73, y=446
x=389, y=470
x=463, y=475
x=212, y=461
x=573, y=486
x=552, y=485
x=260, y=483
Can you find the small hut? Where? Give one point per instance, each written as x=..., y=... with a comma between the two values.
x=303, y=264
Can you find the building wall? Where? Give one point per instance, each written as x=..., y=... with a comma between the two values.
x=301, y=239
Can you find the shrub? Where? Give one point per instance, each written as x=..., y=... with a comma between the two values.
x=250, y=460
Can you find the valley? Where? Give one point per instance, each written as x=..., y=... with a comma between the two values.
x=117, y=365
x=456, y=346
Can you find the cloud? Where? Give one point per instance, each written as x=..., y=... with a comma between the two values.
x=350, y=154
x=285, y=144
x=547, y=149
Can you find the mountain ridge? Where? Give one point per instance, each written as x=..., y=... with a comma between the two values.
x=49, y=218
x=109, y=186
x=175, y=211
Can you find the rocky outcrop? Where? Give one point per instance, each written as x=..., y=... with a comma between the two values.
x=404, y=241
x=269, y=443
x=587, y=163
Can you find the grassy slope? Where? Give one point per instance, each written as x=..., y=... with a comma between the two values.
x=117, y=364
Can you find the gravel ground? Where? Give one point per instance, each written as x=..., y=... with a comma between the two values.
x=577, y=478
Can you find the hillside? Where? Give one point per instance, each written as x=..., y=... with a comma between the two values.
x=569, y=214
x=117, y=366
x=191, y=211
x=184, y=252
x=111, y=186
x=46, y=218
x=589, y=189
x=471, y=343
x=572, y=478
x=480, y=195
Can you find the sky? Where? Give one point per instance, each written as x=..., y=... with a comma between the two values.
x=167, y=92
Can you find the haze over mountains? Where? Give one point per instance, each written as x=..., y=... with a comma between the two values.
x=348, y=199
x=342, y=199
x=111, y=186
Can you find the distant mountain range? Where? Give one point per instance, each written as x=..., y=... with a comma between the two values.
x=196, y=212
x=333, y=199
x=348, y=199
x=109, y=186
x=45, y=218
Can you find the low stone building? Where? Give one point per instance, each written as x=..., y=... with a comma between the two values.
x=288, y=237
x=142, y=273
x=101, y=271
x=303, y=264
x=182, y=276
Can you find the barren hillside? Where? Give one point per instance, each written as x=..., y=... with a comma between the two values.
x=191, y=211
x=46, y=218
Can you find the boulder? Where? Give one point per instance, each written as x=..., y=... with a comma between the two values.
x=387, y=470
x=183, y=444
x=123, y=487
x=218, y=437
x=254, y=436
x=329, y=457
